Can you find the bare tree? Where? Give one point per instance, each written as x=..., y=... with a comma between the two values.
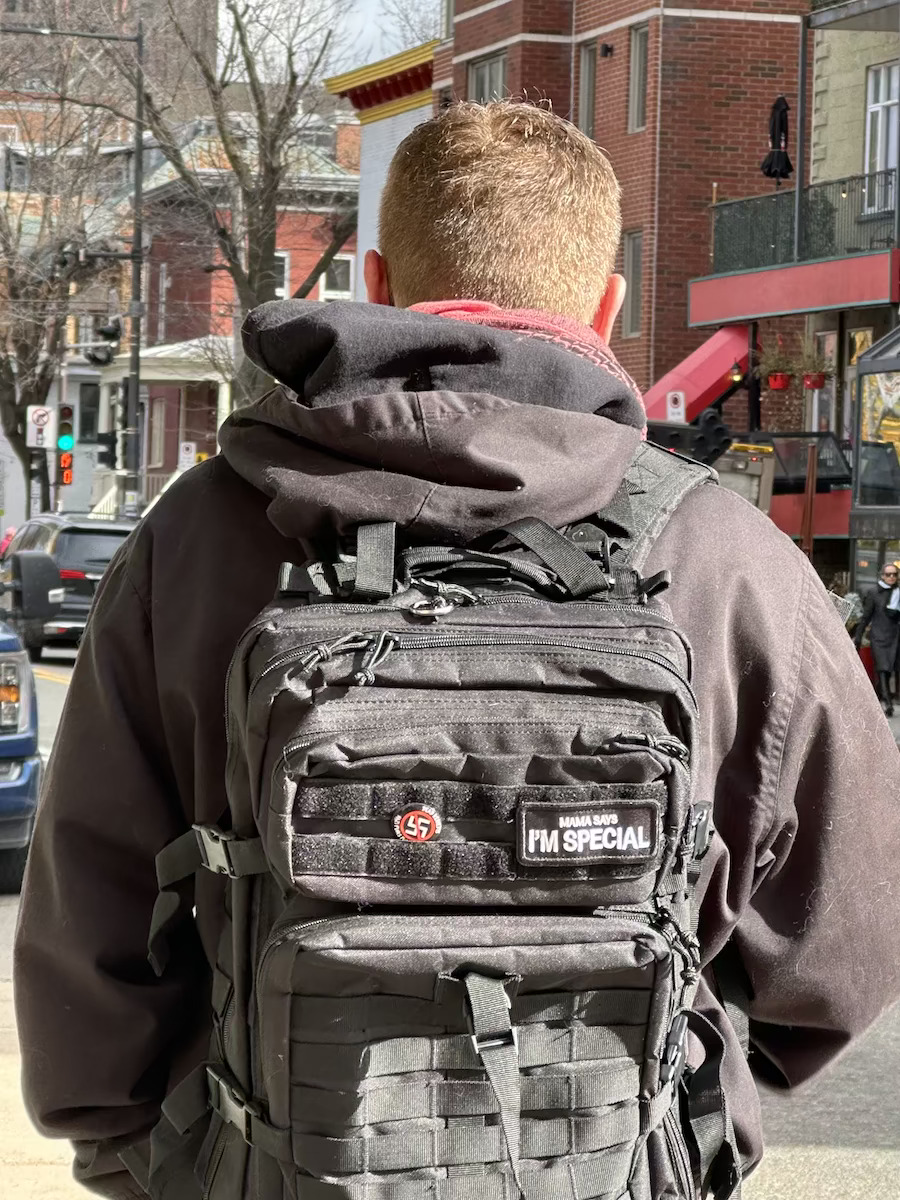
x=411, y=22
x=254, y=69
x=55, y=187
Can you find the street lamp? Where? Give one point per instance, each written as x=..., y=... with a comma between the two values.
x=136, y=311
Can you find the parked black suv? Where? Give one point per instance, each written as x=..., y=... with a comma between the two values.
x=82, y=547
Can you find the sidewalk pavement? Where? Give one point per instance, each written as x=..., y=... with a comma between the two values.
x=31, y=1168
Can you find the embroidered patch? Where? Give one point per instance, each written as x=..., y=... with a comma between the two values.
x=592, y=832
x=421, y=824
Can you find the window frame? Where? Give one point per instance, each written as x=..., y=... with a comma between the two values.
x=448, y=15
x=638, y=76
x=88, y=438
x=632, y=322
x=283, y=292
x=156, y=449
x=882, y=135
x=473, y=92
x=587, y=88
x=327, y=296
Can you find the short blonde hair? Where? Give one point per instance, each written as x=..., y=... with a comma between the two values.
x=502, y=202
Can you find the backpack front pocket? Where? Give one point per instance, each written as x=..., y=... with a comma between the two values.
x=423, y=1044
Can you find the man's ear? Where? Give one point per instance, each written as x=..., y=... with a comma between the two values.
x=378, y=289
x=610, y=307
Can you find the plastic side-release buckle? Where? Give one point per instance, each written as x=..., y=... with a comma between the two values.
x=215, y=850
x=230, y=1104
x=702, y=830
x=675, y=1054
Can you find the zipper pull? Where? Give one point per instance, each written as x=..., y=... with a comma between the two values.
x=379, y=648
x=325, y=651
x=671, y=747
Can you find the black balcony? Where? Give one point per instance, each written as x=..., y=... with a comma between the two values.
x=839, y=218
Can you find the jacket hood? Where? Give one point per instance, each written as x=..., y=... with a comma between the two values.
x=446, y=426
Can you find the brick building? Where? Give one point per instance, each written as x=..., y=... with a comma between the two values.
x=825, y=259
x=678, y=97
x=193, y=316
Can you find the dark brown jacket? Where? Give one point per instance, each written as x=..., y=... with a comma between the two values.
x=447, y=428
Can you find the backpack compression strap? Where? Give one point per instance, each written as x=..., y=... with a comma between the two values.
x=654, y=485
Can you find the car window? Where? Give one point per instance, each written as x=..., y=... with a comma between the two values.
x=88, y=549
x=42, y=536
x=24, y=539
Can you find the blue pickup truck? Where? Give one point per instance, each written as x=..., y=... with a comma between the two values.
x=35, y=587
x=20, y=762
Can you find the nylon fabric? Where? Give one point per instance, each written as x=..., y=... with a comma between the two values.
x=354, y=1018
x=464, y=1097
x=464, y=975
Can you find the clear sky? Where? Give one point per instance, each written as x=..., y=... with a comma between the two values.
x=366, y=33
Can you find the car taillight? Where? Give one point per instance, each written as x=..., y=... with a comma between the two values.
x=66, y=573
x=15, y=693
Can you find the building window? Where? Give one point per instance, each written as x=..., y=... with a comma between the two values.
x=487, y=79
x=282, y=273
x=632, y=269
x=88, y=412
x=448, y=12
x=9, y=135
x=445, y=97
x=823, y=400
x=587, y=89
x=637, y=79
x=157, y=432
x=882, y=88
x=338, y=281
x=17, y=174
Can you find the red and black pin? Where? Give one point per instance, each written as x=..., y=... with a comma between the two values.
x=422, y=824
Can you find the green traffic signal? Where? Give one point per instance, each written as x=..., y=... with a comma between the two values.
x=65, y=439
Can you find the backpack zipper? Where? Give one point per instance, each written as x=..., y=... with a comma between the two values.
x=678, y=1153
x=378, y=646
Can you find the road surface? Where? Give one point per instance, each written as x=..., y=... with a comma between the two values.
x=837, y=1140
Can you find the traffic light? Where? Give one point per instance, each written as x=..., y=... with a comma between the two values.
x=65, y=444
x=65, y=430
x=112, y=333
x=706, y=440
x=109, y=450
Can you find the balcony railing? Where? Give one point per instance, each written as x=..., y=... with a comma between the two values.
x=792, y=458
x=841, y=217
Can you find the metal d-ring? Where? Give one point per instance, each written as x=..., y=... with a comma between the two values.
x=440, y=606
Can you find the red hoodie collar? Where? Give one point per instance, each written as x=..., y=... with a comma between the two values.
x=549, y=327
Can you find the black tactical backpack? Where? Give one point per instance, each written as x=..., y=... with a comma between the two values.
x=460, y=853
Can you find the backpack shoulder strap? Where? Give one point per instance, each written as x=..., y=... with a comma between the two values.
x=654, y=485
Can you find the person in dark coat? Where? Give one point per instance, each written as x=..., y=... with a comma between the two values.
x=882, y=612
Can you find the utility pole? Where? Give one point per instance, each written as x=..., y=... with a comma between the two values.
x=131, y=499
x=136, y=311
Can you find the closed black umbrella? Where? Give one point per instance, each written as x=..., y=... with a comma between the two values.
x=776, y=165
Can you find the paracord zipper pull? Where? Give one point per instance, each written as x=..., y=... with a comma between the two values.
x=378, y=651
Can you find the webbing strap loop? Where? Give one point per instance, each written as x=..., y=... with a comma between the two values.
x=496, y=1043
x=709, y=1119
x=375, y=549
x=219, y=851
x=580, y=574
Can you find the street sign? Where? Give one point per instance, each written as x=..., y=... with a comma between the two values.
x=40, y=427
x=675, y=406
x=187, y=453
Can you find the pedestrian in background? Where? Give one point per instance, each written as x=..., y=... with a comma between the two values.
x=882, y=612
x=7, y=538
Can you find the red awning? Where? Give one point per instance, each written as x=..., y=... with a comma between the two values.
x=831, y=515
x=703, y=376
